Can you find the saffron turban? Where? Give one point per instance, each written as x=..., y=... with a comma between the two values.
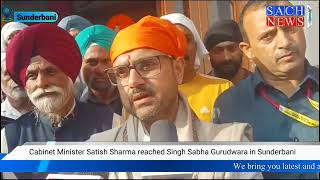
x=120, y=20
x=50, y=42
x=98, y=34
x=150, y=32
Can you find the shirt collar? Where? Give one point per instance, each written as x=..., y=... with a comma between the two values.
x=311, y=73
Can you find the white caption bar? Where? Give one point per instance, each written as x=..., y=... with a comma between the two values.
x=165, y=152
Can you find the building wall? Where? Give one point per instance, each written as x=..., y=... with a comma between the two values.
x=311, y=33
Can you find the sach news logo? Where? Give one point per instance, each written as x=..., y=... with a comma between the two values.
x=29, y=16
x=289, y=16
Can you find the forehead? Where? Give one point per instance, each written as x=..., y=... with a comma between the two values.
x=38, y=62
x=225, y=43
x=135, y=55
x=256, y=15
x=96, y=52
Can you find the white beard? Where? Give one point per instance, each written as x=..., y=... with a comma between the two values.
x=50, y=106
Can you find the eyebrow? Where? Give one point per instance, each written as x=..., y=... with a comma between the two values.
x=265, y=33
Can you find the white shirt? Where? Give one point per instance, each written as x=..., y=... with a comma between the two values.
x=7, y=110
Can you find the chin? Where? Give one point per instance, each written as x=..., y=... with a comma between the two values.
x=146, y=113
x=48, y=104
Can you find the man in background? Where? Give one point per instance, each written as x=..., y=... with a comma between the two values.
x=94, y=43
x=222, y=41
x=14, y=100
x=74, y=24
x=281, y=99
x=201, y=90
x=17, y=102
x=8, y=31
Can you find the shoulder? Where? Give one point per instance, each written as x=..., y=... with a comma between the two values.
x=27, y=119
x=215, y=80
x=105, y=136
x=236, y=92
x=92, y=109
x=224, y=132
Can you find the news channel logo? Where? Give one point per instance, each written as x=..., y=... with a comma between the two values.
x=6, y=12
x=29, y=16
x=296, y=15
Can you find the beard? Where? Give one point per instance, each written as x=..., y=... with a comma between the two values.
x=227, y=69
x=14, y=91
x=49, y=101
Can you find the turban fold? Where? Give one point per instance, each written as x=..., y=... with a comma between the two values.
x=6, y=31
x=74, y=22
x=150, y=32
x=178, y=18
x=98, y=34
x=120, y=20
x=225, y=30
x=50, y=42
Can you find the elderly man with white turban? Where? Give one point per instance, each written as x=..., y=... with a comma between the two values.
x=8, y=31
x=200, y=90
x=16, y=102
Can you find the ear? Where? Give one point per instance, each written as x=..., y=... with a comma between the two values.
x=246, y=49
x=178, y=69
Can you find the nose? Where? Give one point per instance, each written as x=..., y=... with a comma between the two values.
x=284, y=40
x=227, y=55
x=134, y=79
x=100, y=69
x=42, y=81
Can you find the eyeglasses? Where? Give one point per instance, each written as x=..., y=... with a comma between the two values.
x=146, y=68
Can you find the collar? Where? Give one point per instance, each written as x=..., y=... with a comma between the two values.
x=8, y=110
x=311, y=73
x=137, y=132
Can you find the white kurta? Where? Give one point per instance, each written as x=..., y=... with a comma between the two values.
x=7, y=110
x=187, y=127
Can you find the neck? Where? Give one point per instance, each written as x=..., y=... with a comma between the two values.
x=189, y=74
x=105, y=97
x=286, y=83
x=238, y=76
x=23, y=105
x=65, y=110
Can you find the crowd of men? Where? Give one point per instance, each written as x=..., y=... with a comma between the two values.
x=83, y=82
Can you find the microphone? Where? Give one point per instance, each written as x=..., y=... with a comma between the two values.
x=163, y=131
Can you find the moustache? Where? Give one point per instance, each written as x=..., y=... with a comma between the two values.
x=285, y=52
x=141, y=90
x=51, y=89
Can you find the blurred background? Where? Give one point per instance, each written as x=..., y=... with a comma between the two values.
x=203, y=14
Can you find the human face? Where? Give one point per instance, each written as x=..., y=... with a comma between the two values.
x=9, y=87
x=279, y=51
x=192, y=45
x=152, y=98
x=95, y=61
x=48, y=88
x=226, y=59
